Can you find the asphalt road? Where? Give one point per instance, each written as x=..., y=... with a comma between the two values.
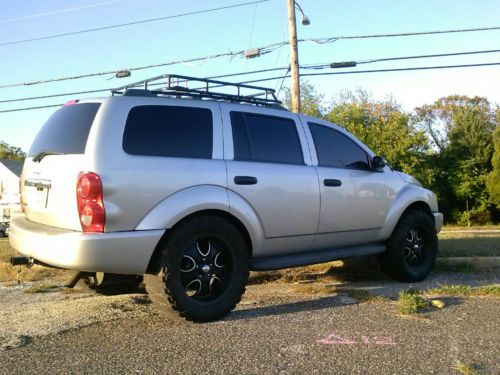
x=275, y=331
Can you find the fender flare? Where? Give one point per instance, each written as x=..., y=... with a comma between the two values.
x=407, y=196
x=195, y=199
x=184, y=203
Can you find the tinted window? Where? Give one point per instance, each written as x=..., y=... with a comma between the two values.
x=265, y=138
x=66, y=131
x=183, y=132
x=334, y=149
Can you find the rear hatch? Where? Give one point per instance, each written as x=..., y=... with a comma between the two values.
x=55, y=159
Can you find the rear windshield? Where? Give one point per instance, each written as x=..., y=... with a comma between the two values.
x=66, y=131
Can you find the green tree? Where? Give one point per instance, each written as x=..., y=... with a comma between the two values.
x=11, y=152
x=460, y=130
x=311, y=102
x=384, y=127
x=493, y=180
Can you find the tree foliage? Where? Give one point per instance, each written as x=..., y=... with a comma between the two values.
x=460, y=129
x=11, y=152
x=448, y=145
x=383, y=126
x=493, y=180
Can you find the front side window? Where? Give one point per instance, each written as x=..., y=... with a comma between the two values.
x=335, y=149
x=265, y=139
x=156, y=130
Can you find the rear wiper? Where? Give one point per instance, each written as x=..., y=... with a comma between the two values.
x=38, y=157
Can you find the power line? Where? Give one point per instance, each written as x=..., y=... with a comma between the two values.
x=370, y=61
x=264, y=50
x=53, y=36
x=54, y=95
x=112, y=88
x=54, y=12
x=377, y=71
x=30, y=108
x=303, y=75
x=392, y=35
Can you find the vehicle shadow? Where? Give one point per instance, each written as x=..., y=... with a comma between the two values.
x=285, y=308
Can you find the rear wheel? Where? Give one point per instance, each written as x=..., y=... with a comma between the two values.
x=412, y=248
x=204, y=269
x=111, y=284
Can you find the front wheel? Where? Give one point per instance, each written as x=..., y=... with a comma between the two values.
x=412, y=248
x=204, y=269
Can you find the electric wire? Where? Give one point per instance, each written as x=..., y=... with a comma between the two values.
x=393, y=35
x=263, y=50
x=53, y=36
x=308, y=75
x=60, y=11
x=306, y=67
x=370, y=61
x=379, y=71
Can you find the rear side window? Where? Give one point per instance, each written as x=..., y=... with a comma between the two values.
x=334, y=149
x=66, y=131
x=265, y=138
x=155, y=130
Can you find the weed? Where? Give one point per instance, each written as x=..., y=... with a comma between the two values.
x=466, y=368
x=411, y=302
x=42, y=288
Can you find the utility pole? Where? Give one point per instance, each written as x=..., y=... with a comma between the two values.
x=294, y=57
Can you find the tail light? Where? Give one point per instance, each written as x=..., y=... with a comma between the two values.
x=89, y=194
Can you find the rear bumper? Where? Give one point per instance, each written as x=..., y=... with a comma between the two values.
x=115, y=252
x=438, y=220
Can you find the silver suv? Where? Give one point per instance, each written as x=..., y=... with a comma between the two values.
x=192, y=188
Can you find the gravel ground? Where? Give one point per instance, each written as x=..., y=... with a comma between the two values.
x=275, y=330
x=29, y=315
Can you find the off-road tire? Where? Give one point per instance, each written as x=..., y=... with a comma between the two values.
x=395, y=261
x=166, y=289
x=110, y=284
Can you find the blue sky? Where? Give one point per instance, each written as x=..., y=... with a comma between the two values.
x=237, y=29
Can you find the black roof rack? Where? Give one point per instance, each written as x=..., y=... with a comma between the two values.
x=178, y=86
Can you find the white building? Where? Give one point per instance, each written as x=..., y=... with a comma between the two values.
x=10, y=171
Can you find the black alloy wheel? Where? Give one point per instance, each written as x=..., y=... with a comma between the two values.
x=205, y=269
x=412, y=247
x=415, y=250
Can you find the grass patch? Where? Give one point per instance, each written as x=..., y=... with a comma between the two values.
x=71, y=290
x=35, y=273
x=469, y=244
x=466, y=368
x=5, y=251
x=293, y=275
x=315, y=288
x=42, y=288
x=466, y=291
x=412, y=302
x=462, y=267
x=362, y=295
x=478, y=227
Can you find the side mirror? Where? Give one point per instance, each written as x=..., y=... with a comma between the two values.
x=378, y=163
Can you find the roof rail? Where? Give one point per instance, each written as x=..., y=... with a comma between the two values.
x=179, y=86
